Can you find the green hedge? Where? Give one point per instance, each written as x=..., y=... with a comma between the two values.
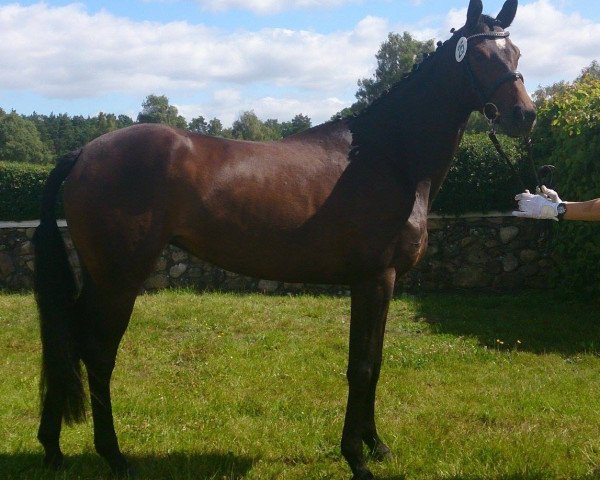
x=21, y=190
x=569, y=133
x=479, y=180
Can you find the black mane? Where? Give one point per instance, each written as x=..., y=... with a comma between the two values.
x=484, y=21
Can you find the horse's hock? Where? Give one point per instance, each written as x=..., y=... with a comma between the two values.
x=472, y=252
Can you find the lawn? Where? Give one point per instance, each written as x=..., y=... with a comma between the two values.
x=223, y=386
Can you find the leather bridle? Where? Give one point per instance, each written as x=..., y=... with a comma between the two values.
x=490, y=110
x=484, y=93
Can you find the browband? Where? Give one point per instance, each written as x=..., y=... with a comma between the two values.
x=489, y=35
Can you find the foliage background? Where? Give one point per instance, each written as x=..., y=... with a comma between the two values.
x=479, y=180
x=21, y=187
x=569, y=136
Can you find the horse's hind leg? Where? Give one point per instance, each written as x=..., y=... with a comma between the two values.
x=106, y=314
x=49, y=431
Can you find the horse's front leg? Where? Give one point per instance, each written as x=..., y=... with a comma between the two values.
x=370, y=302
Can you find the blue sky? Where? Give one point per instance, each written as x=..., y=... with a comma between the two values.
x=219, y=57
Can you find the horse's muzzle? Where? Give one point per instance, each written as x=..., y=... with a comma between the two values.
x=524, y=118
x=519, y=122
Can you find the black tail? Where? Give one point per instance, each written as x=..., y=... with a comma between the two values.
x=56, y=294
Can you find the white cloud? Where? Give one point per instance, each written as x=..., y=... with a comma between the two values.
x=554, y=45
x=75, y=54
x=269, y=6
x=67, y=53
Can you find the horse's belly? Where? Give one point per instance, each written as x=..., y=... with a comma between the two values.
x=293, y=256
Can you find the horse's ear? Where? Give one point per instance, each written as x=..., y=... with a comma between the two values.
x=507, y=14
x=473, y=13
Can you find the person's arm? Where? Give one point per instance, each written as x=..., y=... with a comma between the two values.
x=546, y=204
x=586, y=211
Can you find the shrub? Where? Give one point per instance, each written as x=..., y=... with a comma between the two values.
x=479, y=180
x=570, y=135
x=21, y=190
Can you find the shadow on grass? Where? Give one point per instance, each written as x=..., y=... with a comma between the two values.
x=207, y=466
x=183, y=466
x=519, y=476
x=510, y=476
x=537, y=323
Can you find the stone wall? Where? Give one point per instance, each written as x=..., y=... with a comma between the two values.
x=492, y=253
x=488, y=253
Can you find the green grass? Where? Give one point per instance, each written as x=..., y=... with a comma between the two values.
x=221, y=386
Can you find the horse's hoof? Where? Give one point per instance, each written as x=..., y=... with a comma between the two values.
x=123, y=470
x=363, y=475
x=381, y=453
x=129, y=473
x=54, y=462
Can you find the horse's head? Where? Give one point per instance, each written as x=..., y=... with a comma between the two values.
x=489, y=62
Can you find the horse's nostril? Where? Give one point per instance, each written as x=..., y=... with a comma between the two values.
x=530, y=116
x=524, y=116
x=518, y=114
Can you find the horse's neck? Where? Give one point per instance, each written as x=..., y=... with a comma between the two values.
x=419, y=126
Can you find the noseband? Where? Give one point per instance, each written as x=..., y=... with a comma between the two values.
x=484, y=93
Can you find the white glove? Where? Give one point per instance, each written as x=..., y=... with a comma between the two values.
x=537, y=206
x=550, y=194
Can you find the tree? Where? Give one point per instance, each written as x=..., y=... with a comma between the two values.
x=591, y=71
x=296, y=125
x=156, y=109
x=103, y=123
x=395, y=59
x=20, y=141
x=544, y=94
x=273, y=125
x=198, y=125
x=249, y=127
x=61, y=133
x=215, y=128
x=124, y=121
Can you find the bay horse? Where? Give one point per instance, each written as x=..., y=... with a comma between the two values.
x=345, y=202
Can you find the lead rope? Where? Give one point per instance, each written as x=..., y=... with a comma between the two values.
x=490, y=112
x=494, y=139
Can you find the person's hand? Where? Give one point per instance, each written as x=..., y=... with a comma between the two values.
x=548, y=193
x=537, y=206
